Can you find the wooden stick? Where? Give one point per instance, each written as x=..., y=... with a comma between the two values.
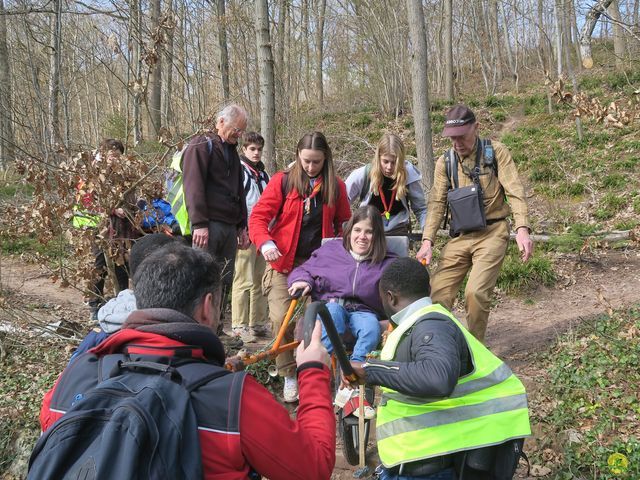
x=361, y=427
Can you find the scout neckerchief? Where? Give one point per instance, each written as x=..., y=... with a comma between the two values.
x=314, y=192
x=255, y=173
x=387, y=208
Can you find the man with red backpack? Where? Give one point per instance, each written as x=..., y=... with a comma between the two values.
x=241, y=430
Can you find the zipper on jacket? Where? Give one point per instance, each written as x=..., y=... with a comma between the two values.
x=379, y=365
x=355, y=275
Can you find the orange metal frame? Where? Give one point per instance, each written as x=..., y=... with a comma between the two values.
x=276, y=349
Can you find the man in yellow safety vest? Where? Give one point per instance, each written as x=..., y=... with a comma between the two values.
x=449, y=408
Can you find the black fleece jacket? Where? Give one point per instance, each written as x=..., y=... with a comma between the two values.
x=428, y=361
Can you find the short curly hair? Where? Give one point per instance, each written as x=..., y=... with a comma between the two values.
x=406, y=277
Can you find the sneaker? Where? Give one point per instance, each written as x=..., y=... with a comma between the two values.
x=352, y=407
x=290, y=391
x=244, y=333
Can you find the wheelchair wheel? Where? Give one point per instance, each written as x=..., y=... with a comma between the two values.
x=349, y=433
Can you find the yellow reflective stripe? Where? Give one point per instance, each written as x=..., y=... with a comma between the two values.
x=176, y=192
x=449, y=416
x=499, y=375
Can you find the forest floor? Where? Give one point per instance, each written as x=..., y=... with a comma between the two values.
x=520, y=327
x=592, y=280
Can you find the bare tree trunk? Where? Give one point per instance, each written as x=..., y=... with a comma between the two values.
x=559, y=39
x=495, y=40
x=7, y=140
x=155, y=87
x=224, y=52
x=283, y=6
x=592, y=17
x=619, y=42
x=53, y=123
x=319, y=41
x=448, y=51
x=267, y=87
x=138, y=87
x=420, y=90
x=307, y=55
x=507, y=43
x=561, y=10
x=575, y=33
x=167, y=84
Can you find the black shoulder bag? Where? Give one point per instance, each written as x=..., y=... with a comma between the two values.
x=467, y=203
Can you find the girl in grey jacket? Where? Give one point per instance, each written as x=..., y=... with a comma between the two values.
x=392, y=184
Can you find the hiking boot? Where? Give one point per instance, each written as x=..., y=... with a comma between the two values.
x=230, y=342
x=261, y=331
x=290, y=391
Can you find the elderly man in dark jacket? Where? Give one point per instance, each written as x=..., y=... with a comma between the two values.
x=214, y=191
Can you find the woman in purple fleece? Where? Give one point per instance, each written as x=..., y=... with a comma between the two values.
x=346, y=275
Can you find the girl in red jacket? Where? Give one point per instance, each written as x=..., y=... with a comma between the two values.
x=299, y=208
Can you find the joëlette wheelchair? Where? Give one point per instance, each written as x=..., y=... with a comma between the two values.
x=349, y=426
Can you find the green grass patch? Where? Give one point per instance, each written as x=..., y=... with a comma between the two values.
x=609, y=205
x=13, y=189
x=630, y=163
x=544, y=174
x=614, y=181
x=626, y=224
x=27, y=372
x=535, y=104
x=518, y=277
x=593, y=379
x=571, y=189
x=18, y=245
x=361, y=120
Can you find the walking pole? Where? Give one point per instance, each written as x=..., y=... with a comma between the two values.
x=361, y=429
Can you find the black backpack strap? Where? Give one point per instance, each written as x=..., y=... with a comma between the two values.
x=526, y=459
x=451, y=166
x=190, y=372
x=364, y=191
x=283, y=185
x=247, y=183
x=283, y=190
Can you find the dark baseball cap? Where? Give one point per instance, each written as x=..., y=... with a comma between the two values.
x=458, y=121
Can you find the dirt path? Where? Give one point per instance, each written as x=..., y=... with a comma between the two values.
x=586, y=287
x=519, y=326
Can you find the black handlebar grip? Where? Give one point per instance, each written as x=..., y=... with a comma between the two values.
x=312, y=312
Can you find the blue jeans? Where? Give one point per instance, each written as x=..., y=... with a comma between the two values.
x=384, y=474
x=363, y=326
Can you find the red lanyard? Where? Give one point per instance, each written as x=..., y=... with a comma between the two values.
x=255, y=173
x=387, y=208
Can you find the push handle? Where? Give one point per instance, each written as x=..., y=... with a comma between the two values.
x=152, y=367
x=309, y=322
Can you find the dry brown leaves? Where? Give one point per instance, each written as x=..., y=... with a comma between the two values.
x=110, y=181
x=617, y=114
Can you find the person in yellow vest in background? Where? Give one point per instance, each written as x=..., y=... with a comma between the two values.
x=450, y=409
x=120, y=230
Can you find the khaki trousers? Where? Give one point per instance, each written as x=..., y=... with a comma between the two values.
x=274, y=286
x=248, y=303
x=482, y=253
